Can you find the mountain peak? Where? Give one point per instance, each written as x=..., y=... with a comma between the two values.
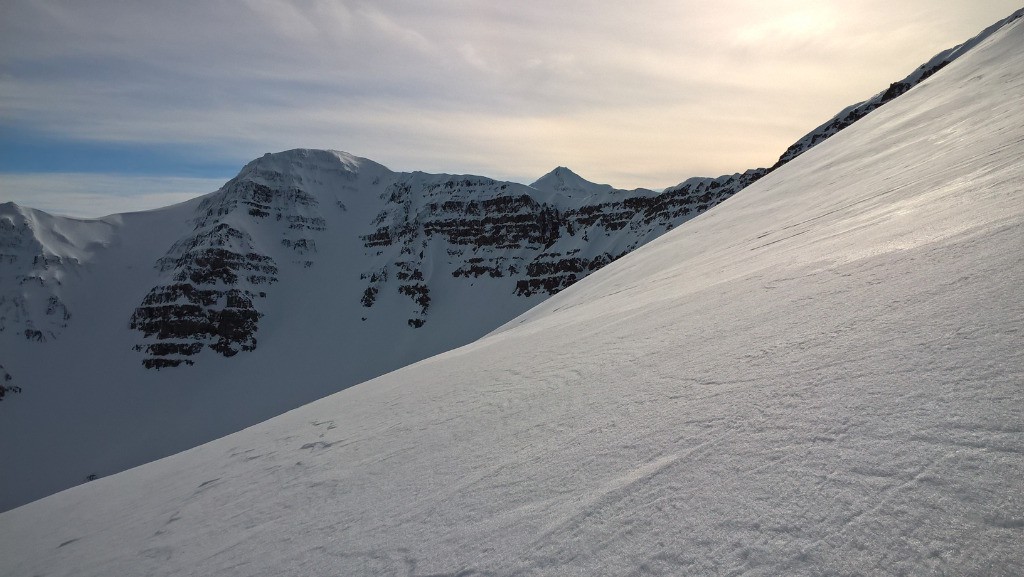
x=302, y=161
x=9, y=207
x=564, y=180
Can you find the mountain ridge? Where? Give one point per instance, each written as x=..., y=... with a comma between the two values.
x=821, y=376
x=298, y=245
x=393, y=266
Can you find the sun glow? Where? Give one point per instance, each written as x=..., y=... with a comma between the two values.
x=798, y=25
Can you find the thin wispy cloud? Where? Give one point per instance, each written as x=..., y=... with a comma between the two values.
x=87, y=195
x=631, y=94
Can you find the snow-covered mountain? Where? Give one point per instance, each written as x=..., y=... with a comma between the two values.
x=568, y=182
x=138, y=335
x=820, y=376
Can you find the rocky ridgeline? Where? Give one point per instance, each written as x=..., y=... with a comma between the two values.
x=633, y=218
x=858, y=111
x=483, y=226
x=854, y=113
x=460, y=228
x=502, y=230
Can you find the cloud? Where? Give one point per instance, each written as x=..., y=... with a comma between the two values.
x=634, y=95
x=87, y=195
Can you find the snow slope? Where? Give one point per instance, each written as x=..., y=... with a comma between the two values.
x=823, y=376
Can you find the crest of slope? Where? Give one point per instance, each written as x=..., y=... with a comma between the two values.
x=821, y=376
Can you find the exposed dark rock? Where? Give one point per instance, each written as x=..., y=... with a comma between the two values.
x=6, y=386
x=301, y=246
x=210, y=301
x=491, y=230
x=419, y=293
x=181, y=291
x=162, y=349
x=162, y=363
x=369, y=296
x=217, y=276
x=261, y=202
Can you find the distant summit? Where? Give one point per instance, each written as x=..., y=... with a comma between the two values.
x=565, y=181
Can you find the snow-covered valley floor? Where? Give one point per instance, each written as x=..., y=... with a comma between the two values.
x=822, y=376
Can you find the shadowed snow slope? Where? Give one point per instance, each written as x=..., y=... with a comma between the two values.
x=823, y=376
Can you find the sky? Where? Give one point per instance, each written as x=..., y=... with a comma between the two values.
x=118, y=105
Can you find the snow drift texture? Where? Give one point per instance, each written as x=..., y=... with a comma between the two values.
x=822, y=376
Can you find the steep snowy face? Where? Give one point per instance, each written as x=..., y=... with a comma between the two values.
x=30, y=303
x=820, y=377
x=41, y=260
x=38, y=260
x=215, y=280
x=437, y=230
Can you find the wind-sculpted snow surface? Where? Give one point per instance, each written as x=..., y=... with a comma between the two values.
x=820, y=377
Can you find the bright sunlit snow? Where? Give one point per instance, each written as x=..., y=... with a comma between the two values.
x=822, y=376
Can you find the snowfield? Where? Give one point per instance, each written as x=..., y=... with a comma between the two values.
x=822, y=376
